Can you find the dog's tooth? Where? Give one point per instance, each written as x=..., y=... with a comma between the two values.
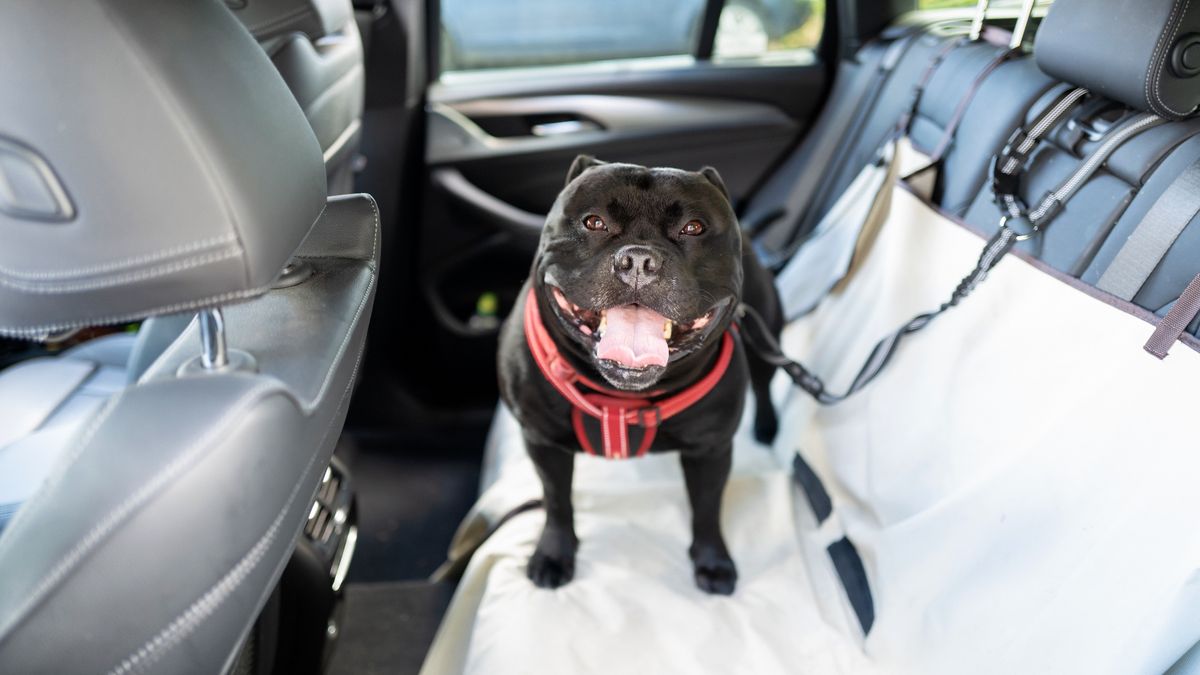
x=603, y=323
x=667, y=329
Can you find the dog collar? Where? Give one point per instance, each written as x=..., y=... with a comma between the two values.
x=616, y=411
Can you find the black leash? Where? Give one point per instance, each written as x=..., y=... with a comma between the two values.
x=767, y=347
x=1017, y=224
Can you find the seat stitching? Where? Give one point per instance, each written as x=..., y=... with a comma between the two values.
x=37, y=331
x=40, y=330
x=123, y=263
x=118, y=515
x=187, y=134
x=317, y=255
x=375, y=240
x=207, y=604
x=1158, y=58
x=129, y=277
x=357, y=314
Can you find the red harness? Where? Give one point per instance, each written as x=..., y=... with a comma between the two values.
x=615, y=410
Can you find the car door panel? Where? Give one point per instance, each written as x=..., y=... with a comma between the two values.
x=525, y=167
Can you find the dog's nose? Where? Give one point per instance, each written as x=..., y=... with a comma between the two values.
x=636, y=265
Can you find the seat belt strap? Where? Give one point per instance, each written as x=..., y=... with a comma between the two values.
x=1176, y=321
x=904, y=124
x=867, y=97
x=1153, y=237
x=960, y=110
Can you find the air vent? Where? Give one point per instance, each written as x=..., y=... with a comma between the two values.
x=330, y=526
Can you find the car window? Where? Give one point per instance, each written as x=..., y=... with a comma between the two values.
x=771, y=30
x=485, y=34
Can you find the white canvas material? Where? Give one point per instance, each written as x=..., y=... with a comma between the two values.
x=848, y=230
x=1020, y=483
x=826, y=254
x=1018, y=480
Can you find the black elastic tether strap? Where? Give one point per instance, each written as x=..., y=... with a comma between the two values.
x=1017, y=225
x=765, y=345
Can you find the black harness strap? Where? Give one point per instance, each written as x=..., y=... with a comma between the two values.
x=1017, y=224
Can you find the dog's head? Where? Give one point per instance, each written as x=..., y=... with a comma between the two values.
x=640, y=267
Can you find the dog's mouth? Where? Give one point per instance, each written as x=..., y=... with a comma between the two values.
x=634, y=338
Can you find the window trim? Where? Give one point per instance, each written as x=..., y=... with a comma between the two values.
x=708, y=29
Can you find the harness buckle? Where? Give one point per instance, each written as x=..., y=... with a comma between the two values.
x=646, y=421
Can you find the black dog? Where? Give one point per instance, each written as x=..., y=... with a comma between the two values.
x=634, y=290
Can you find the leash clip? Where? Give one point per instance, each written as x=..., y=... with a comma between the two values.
x=1020, y=226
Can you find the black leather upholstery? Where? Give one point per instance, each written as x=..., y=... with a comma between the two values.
x=159, y=533
x=266, y=19
x=179, y=201
x=158, y=513
x=1132, y=52
x=317, y=49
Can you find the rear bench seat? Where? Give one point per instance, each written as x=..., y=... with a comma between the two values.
x=999, y=105
x=632, y=605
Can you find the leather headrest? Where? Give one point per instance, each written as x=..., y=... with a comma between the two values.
x=315, y=18
x=1143, y=53
x=151, y=161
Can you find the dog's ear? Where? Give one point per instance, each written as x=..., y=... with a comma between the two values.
x=582, y=163
x=710, y=174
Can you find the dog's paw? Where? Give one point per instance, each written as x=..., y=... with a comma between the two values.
x=766, y=425
x=715, y=571
x=718, y=576
x=549, y=572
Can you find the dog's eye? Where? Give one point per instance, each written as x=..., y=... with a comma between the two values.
x=693, y=228
x=594, y=223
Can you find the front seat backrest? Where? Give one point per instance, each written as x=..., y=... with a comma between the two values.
x=316, y=46
x=138, y=179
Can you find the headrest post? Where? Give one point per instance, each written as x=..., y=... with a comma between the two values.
x=1018, y=35
x=214, y=354
x=981, y=10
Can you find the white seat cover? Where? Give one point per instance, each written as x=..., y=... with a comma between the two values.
x=1019, y=479
x=633, y=606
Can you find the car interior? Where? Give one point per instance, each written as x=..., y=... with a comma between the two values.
x=255, y=255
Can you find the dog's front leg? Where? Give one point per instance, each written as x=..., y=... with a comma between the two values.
x=553, y=561
x=706, y=475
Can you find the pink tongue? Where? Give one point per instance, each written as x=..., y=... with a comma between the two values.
x=633, y=337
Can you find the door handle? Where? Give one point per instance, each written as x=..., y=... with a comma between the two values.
x=563, y=127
